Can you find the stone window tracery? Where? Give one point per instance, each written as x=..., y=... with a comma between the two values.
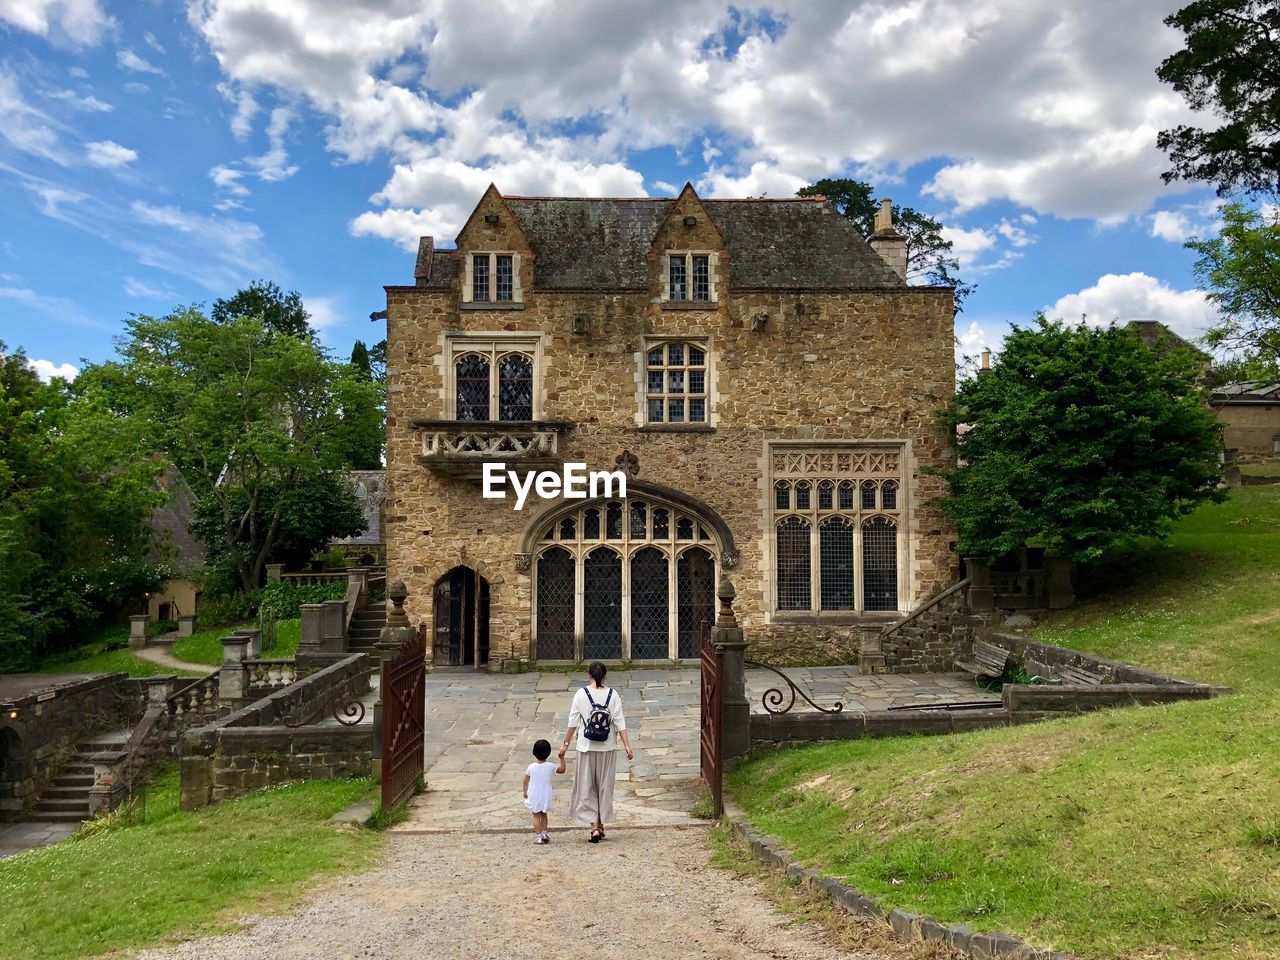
x=676, y=382
x=835, y=529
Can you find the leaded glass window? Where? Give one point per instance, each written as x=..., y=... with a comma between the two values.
x=835, y=564
x=879, y=564
x=613, y=520
x=638, y=521
x=480, y=277
x=515, y=387
x=868, y=495
x=503, y=287
x=696, y=598
x=889, y=495
x=602, y=605
x=472, y=372
x=677, y=277
x=661, y=529
x=556, y=604
x=701, y=278
x=591, y=524
x=802, y=495
x=676, y=384
x=792, y=566
x=650, y=621
x=846, y=495
x=826, y=495
x=782, y=495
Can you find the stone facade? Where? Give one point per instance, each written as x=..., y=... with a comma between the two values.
x=1250, y=417
x=816, y=357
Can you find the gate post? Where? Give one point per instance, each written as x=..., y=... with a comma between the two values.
x=396, y=631
x=727, y=638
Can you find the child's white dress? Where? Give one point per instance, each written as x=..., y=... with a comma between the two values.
x=540, y=774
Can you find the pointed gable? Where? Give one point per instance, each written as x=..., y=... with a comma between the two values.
x=688, y=225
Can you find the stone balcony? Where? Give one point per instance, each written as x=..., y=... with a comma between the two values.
x=460, y=448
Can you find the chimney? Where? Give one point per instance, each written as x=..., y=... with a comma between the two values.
x=422, y=268
x=887, y=242
x=986, y=361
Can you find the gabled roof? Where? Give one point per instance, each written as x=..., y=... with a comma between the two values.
x=1249, y=391
x=170, y=521
x=589, y=243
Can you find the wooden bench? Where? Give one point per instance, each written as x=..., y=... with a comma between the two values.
x=1077, y=675
x=988, y=660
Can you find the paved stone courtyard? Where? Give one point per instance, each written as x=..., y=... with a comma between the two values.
x=480, y=730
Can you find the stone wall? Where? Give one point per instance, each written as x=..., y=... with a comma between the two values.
x=40, y=728
x=251, y=748
x=930, y=640
x=873, y=365
x=1250, y=429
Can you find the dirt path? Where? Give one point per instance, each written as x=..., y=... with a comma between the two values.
x=480, y=897
x=160, y=654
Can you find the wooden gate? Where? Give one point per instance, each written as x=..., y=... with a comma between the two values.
x=404, y=708
x=712, y=720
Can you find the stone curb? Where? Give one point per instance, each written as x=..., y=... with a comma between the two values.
x=908, y=926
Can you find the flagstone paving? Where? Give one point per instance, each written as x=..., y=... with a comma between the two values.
x=480, y=730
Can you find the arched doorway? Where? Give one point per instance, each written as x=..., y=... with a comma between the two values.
x=461, y=618
x=623, y=580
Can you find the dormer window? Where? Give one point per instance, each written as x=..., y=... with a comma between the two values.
x=689, y=278
x=492, y=278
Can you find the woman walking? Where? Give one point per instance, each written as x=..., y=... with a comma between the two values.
x=597, y=723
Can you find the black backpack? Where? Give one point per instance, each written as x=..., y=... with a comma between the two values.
x=597, y=724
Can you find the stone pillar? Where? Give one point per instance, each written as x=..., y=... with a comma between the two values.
x=887, y=241
x=728, y=639
x=1057, y=581
x=254, y=650
x=275, y=571
x=161, y=688
x=312, y=641
x=396, y=632
x=333, y=626
x=871, y=649
x=187, y=625
x=358, y=577
x=108, y=790
x=138, y=624
x=233, y=678
x=981, y=597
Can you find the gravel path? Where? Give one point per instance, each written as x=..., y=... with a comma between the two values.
x=159, y=653
x=481, y=897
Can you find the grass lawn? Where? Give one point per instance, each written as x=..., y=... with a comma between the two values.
x=107, y=653
x=1128, y=833
x=206, y=646
x=1260, y=469
x=178, y=874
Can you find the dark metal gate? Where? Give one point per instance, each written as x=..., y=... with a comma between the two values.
x=403, y=716
x=712, y=720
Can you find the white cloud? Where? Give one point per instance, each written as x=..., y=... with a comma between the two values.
x=325, y=312
x=968, y=245
x=84, y=102
x=1187, y=221
x=109, y=154
x=47, y=370
x=54, y=308
x=133, y=287
x=25, y=127
x=153, y=43
x=227, y=179
x=1120, y=298
x=76, y=22
x=80, y=73
x=1049, y=106
x=126, y=59
x=222, y=253
x=273, y=165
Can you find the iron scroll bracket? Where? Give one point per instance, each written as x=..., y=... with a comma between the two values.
x=346, y=708
x=773, y=698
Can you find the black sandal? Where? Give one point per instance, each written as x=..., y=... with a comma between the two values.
x=596, y=836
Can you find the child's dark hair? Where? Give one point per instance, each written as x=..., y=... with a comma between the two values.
x=542, y=750
x=597, y=672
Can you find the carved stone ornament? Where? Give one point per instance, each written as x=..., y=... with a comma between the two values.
x=629, y=463
x=523, y=562
x=729, y=559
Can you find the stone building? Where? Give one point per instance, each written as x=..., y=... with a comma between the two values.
x=763, y=376
x=1250, y=416
x=366, y=547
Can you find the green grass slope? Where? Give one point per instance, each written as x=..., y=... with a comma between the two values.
x=1129, y=833
x=177, y=874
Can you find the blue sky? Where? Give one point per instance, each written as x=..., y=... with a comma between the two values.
x=154, y=154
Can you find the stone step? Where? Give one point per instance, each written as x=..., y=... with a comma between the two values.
x=78, y=769
x=39, y=816
x=77, y=793
x=52, y=805
x=73, y=780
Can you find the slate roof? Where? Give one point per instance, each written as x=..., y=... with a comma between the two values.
x=369, y=488
x=169, y=524
x=1248, y=391
x=588, y=244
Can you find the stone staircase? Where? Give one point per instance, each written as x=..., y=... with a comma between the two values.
x=366, y=625
x=66, y=800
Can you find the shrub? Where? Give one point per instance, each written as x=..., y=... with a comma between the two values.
x=283, y=597
x=233, y=608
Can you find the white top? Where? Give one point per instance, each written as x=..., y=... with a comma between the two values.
x=581, y=710
x=540, y=773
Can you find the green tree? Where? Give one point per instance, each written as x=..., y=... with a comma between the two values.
x=277, y=311
x=1240, y=268
x=1081, y=440
x=358, y=437
x=930, y=257
x=249, y=417
x=1230, y=70
x=77, y=487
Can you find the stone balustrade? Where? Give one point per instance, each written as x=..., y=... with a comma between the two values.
x=460, y=448
x=267, y=675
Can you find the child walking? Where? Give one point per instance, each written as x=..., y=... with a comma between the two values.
x=537, y=789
